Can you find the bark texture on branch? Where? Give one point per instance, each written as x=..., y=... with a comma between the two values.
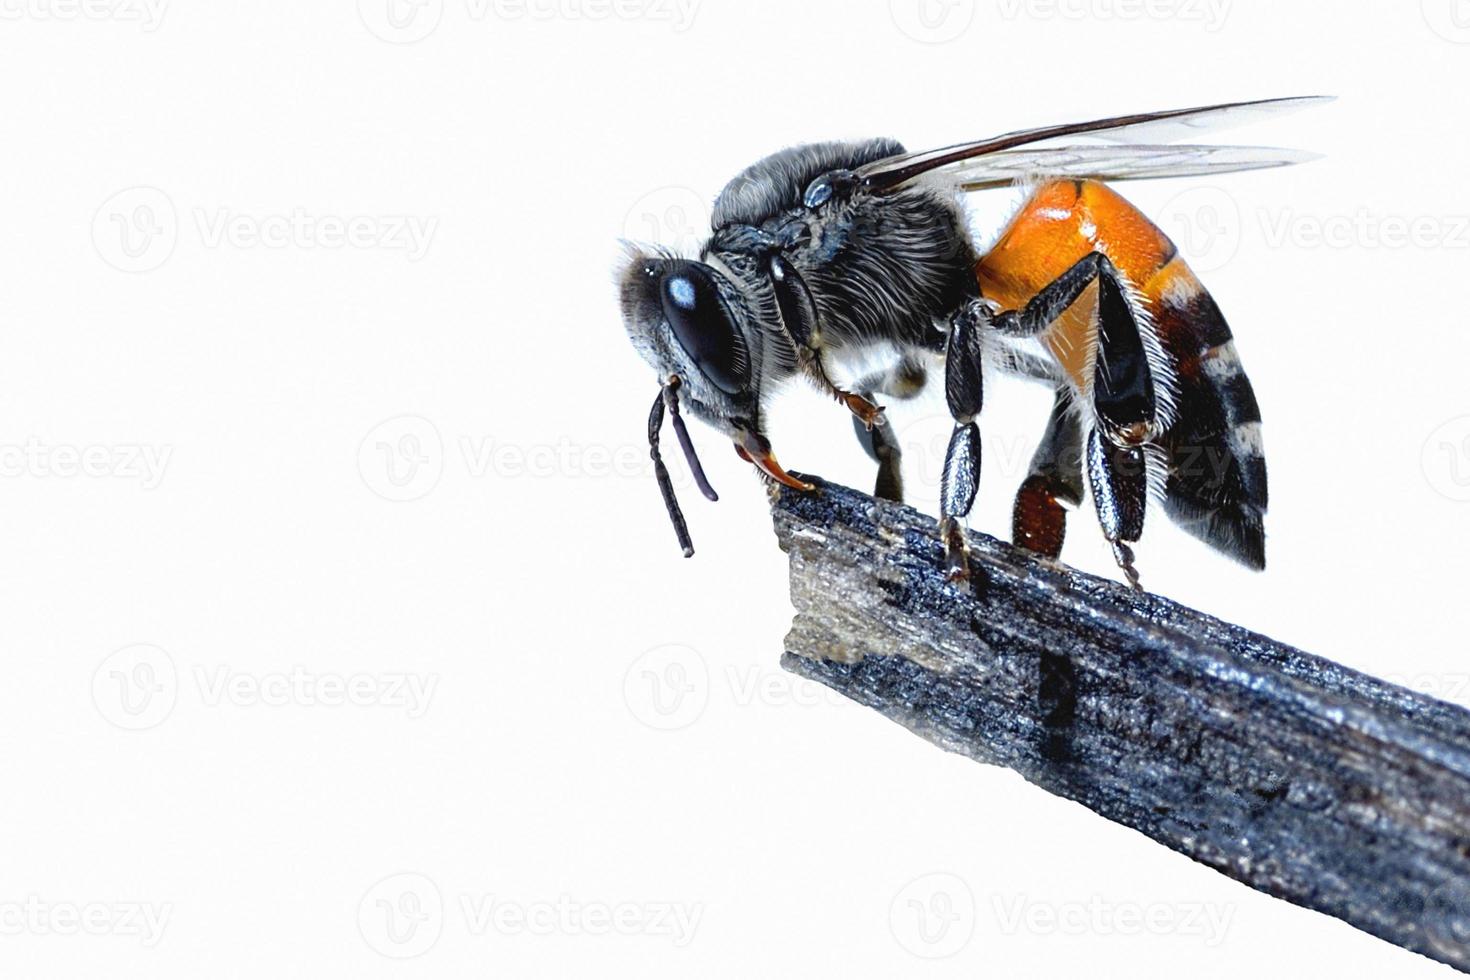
x=1299, y=777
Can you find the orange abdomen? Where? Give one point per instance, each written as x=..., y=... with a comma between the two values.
x=1057, y=227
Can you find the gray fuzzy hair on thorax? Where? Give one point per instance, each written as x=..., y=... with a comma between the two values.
x=769, y=186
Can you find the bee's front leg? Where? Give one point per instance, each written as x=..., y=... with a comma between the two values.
x=803, y=328
x=964, y=390
x=863, y=409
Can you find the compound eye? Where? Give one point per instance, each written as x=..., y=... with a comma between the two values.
x=704, y=329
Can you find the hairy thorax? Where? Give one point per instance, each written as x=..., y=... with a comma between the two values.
x=884, y=273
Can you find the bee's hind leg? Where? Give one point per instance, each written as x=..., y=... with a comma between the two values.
x=1118, y=476
x=1129, y=389
x=1039, y=519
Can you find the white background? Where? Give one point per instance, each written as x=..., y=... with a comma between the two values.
x=397, y=461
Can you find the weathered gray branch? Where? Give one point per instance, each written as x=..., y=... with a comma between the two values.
x=1290, y=773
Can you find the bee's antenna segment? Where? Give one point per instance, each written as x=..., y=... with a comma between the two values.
x=671, y=398
x=666, y=485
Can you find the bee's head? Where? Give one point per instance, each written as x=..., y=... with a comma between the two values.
x=693, y=325
x=689, y=321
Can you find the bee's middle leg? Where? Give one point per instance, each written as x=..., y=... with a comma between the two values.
x=903, y=381
x=964, y=390
x=882, y=446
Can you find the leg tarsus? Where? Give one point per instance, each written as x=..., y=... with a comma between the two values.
x=956, y=550
x=882, y=446
x=862, y=409
x=1123, y=555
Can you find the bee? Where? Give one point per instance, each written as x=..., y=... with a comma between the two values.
x=851, y=264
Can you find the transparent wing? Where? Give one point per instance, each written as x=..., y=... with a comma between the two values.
x=1147, y=128
x=1113, y=163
